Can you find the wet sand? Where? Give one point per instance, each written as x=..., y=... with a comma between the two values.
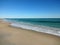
x=18, y=36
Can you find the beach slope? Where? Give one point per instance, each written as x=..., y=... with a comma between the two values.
x=17, y=36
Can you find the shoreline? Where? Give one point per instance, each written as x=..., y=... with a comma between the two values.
x=52, y=31
x=19, y=36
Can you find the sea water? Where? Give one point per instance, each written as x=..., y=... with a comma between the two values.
x=46, y=25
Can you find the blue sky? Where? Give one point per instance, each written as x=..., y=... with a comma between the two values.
x=30, y=8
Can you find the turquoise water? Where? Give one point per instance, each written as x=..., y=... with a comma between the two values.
x=44, y=25
x=50, y=22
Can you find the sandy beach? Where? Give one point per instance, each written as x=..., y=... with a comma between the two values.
x=17, y=36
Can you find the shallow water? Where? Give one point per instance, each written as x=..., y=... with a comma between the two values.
x=47, y=25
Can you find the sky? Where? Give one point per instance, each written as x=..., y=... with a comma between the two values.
x=29, y=8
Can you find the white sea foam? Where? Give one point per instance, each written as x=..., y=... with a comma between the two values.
x=43, y=29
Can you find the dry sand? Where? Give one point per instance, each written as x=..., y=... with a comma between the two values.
x=17, y=36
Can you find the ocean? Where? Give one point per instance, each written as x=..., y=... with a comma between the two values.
x=45, y=25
